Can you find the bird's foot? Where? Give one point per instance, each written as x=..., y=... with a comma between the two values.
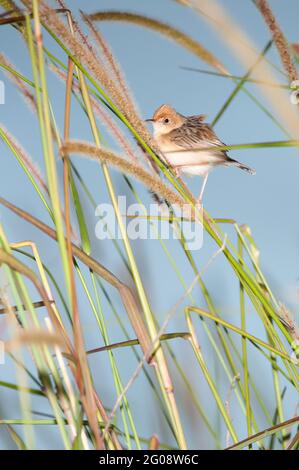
x=198, y=203
x=198, y=206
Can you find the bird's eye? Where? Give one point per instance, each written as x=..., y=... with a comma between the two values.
x=166, y=121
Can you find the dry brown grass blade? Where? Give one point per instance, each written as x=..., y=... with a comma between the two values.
x=126, y=294
x=164, y=29
x=153, y=183
x=279, y=39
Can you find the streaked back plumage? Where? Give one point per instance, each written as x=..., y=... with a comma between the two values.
x=180, y=139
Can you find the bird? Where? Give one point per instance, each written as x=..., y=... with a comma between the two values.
x=189, y=145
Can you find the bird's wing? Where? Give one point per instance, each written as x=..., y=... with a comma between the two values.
x=198, y=117
x=196, y=134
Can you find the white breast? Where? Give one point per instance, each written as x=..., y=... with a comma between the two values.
x=197, y=170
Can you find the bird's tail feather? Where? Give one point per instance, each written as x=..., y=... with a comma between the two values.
x=249, y=170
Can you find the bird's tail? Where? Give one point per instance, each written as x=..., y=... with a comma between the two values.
x=249, y=170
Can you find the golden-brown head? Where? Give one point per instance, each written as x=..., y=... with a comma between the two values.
x=166, y=119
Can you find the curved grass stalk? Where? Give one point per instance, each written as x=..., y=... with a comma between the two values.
x=280, y=370
x=16, y=438
x=196, y=402
x=46, y=136
x=254, y=340
x=213, y=237
x=254, y=256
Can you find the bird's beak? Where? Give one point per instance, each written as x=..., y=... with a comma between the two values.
x=149, y=120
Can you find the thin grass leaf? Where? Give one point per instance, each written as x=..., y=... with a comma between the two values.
x=266, y=433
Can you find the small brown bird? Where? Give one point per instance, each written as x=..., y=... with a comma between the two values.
x=180, y=138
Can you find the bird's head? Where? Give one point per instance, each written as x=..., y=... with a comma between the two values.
x=166, y=119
